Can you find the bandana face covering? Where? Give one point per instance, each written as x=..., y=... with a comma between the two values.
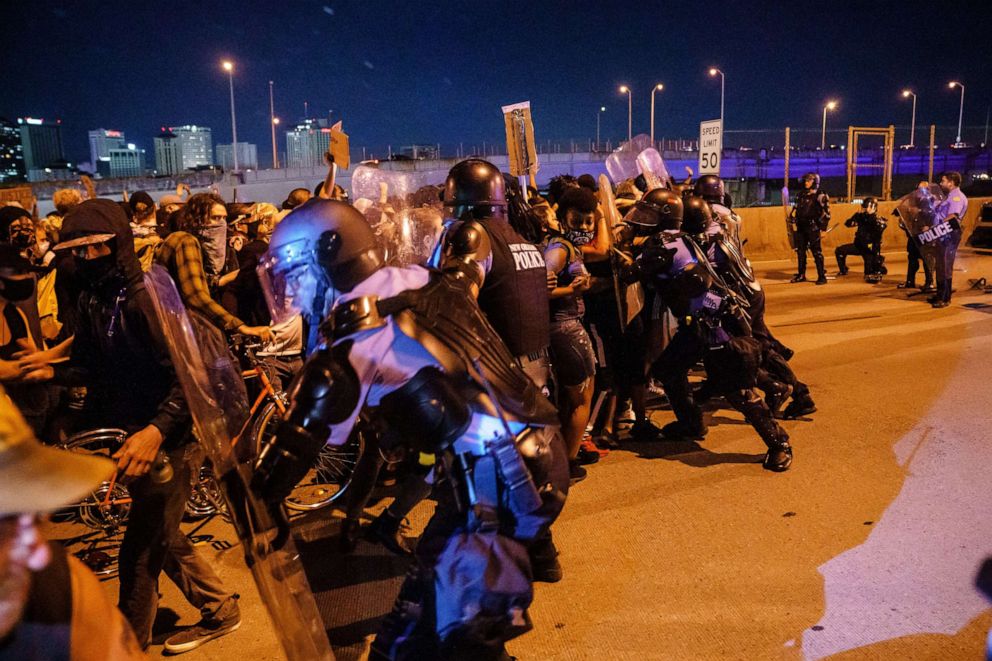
x=579, y=237
x=213, y=240
x=16, y=290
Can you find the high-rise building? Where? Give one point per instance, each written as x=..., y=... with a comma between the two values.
x=306, y=144
x=196, y=145
x=247, y=156
x=102, y=141
x=127, y=162
x=11, y=152
x=42, y=142
x=168, y=154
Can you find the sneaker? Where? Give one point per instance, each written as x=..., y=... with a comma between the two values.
x=822, y=280
x=206, y=629
x=906, y=285
x=589, y=446
x=842, y=271
x=625, y=420
x=586, y=456
x=798, y=278
x=678, y=431
x=607, y=440
x=928, y=289
x=778, y=459
x=799, y=408
x=940, y=304
x=576, y=473
x=644, y=430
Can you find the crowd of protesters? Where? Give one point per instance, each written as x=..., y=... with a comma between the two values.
x=81, y=348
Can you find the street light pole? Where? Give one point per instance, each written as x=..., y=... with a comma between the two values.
x=229, y=68
x=823, y=137
x=960, y=109
x=272, y=123
x=657, y=88
x=912, y=126
x=630, y=112
x=602, y=109
x=714, y=71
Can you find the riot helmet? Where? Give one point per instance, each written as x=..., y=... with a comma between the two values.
x=696, y=216
x=660, y=209
x=810, y=177
x=319, y=251
x=870, y=205
x=710, y=188
x=475, y=186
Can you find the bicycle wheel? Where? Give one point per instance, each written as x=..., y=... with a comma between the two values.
x=205, y=498
x=98, y=511
x=330, y=478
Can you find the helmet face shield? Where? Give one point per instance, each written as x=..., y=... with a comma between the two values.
x=294, y=283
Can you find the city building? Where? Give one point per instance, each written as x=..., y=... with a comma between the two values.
x=247, y=156
x=168, y=153
x=196, y=146
x=306, y=144
x=127, y=162
x=11, y=152
x=42, y=142
x=101, y=142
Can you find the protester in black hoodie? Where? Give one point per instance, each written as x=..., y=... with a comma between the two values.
x=122, y=357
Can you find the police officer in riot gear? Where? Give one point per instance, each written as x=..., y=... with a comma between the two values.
x=775, y=377
x=506, y=272
x=867, y=241
x=810, y=216
x=947, y=221
x=411, y=345
x=712, y=327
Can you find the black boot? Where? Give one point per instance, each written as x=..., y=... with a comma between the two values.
x=348, y=536
x=798, y=407
x=778, y=458
x=682, y=431
x=821, y=269
x=776, y=397
x=544, y=563
x=841, y=264
x=386, y=530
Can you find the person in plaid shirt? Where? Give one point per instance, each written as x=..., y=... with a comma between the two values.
x=195, y=258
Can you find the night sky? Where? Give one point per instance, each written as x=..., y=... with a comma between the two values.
x=418, y=72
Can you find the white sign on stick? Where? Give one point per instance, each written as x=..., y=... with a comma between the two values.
x=710, y=146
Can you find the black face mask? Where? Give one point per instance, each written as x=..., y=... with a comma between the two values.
x=17, y=290
x=22, y=239
x=100, y=272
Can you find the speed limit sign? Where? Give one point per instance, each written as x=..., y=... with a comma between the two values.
x=710, y=146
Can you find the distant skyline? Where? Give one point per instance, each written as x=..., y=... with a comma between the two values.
x=401, y=73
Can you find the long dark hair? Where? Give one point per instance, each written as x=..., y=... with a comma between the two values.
x=520, y=214
x=196, y=212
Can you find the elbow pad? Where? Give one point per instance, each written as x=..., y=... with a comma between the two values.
x=326, y=392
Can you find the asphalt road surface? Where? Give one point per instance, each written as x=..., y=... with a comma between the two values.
x=866, y=549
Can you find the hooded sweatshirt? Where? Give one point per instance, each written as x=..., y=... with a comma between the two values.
x=120, y=352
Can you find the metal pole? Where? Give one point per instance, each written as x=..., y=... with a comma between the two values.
x=823, y=136
x=960, y=112
x=234, y=121
x=912, y=129
x=272, y=123
x=933, y=130
x=723, y=81
x=788, y=153
x=598, y=113
x=652, y=115
x=630, y=115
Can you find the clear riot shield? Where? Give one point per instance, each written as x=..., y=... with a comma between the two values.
x=216, y=398
x=403, y=208
x=916, y=213
x=622, y=163
x=653, y=167
x=630, y=301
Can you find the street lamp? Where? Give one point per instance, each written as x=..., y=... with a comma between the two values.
x=272, y=124
x=912, y=127
x=657, y=88
x=961, y=109
x=630, y=112
x=229, y=68
x=602, y=109
x=823, y=139
x=714, y=71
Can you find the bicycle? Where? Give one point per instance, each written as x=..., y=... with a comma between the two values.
x=331, y=476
